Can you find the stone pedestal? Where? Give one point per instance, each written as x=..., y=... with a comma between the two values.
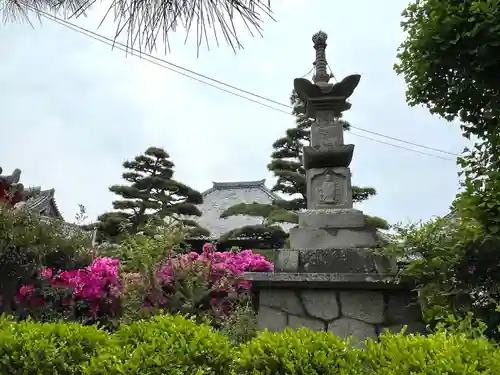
x=361, y=306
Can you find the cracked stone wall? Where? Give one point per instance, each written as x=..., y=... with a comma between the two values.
x=361, y=314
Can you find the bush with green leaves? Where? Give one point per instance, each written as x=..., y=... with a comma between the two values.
x=454, y=263
x=167, y=344
x=441, y=353
x=45, y=349
x=175, y=345
x=27, y=243
x=298, y=352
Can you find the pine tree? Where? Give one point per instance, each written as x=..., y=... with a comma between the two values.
x=286, y=165
x=269, y=233
x=150, y=196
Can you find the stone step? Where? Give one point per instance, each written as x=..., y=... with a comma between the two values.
x=315, y=238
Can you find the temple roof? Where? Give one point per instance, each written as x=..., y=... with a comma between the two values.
x=223, y=195
x=45, y=204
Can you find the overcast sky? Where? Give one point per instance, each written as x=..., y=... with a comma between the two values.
x=72, y=109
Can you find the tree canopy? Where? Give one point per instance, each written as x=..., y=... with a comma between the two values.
x=450, y=63
x=143, y=22
x=150, y=196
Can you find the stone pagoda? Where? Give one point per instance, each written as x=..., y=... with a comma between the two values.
x=331, y=279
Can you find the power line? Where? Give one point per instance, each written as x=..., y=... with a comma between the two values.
x=401, y=147
x=154, y=60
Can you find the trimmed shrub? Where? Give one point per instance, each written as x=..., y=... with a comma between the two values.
x=298, y=352
x=168, y=344
x=174, y=345
x=440, y=353
x=47, y=349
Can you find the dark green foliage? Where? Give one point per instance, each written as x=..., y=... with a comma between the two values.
x=28, y=243
x=270, y=213
x=450, y=63
x=455, y=265
x=450, y=60
x=150, y=196
x=270, y=236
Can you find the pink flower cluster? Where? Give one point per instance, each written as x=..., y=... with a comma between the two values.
x=98, y=281
x=95, y=284
x=216, y=266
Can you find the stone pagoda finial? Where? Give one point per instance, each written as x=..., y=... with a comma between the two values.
x=322, y=95
x=321, y=77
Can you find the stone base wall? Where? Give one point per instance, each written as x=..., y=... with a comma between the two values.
x=357, y=313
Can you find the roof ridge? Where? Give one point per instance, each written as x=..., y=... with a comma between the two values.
x=238, y=184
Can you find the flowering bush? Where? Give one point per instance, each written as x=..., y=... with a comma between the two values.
x=206, y=285
x=92, y=292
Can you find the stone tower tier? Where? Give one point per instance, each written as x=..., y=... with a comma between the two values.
x=327, y=156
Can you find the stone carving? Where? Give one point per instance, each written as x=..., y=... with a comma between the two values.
x=329, y=191
x=328, y=188
x=12, y=191
x=327, y=134
x=11, y=179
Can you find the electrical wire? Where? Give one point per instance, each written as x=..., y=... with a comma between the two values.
x=170, y=66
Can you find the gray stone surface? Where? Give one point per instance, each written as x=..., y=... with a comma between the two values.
x=402, y=308
x=328, y=188
x=320, y=304
x=348, y=260
x=296, y=322
x=327, y=131
x=281, y=299
x=266, y=281
x=309, y=238
x=286, y=260
x=367, y=306
x=359, y=331
x=271, y=319
x=332, y=218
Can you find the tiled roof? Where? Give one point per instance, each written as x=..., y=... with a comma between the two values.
x=223, y=195
x=44, y=201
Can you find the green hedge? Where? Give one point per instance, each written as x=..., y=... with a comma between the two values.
x=172, y=345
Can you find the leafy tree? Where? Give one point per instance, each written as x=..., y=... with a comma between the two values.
x=151, y=196
x=286, y=164
x=144, y=21
x=450, y=63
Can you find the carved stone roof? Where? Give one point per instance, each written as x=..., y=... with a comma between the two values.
x=223, y=195
x=45, y=204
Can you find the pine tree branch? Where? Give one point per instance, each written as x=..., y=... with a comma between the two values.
x=144, y=21
x=248, y=209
